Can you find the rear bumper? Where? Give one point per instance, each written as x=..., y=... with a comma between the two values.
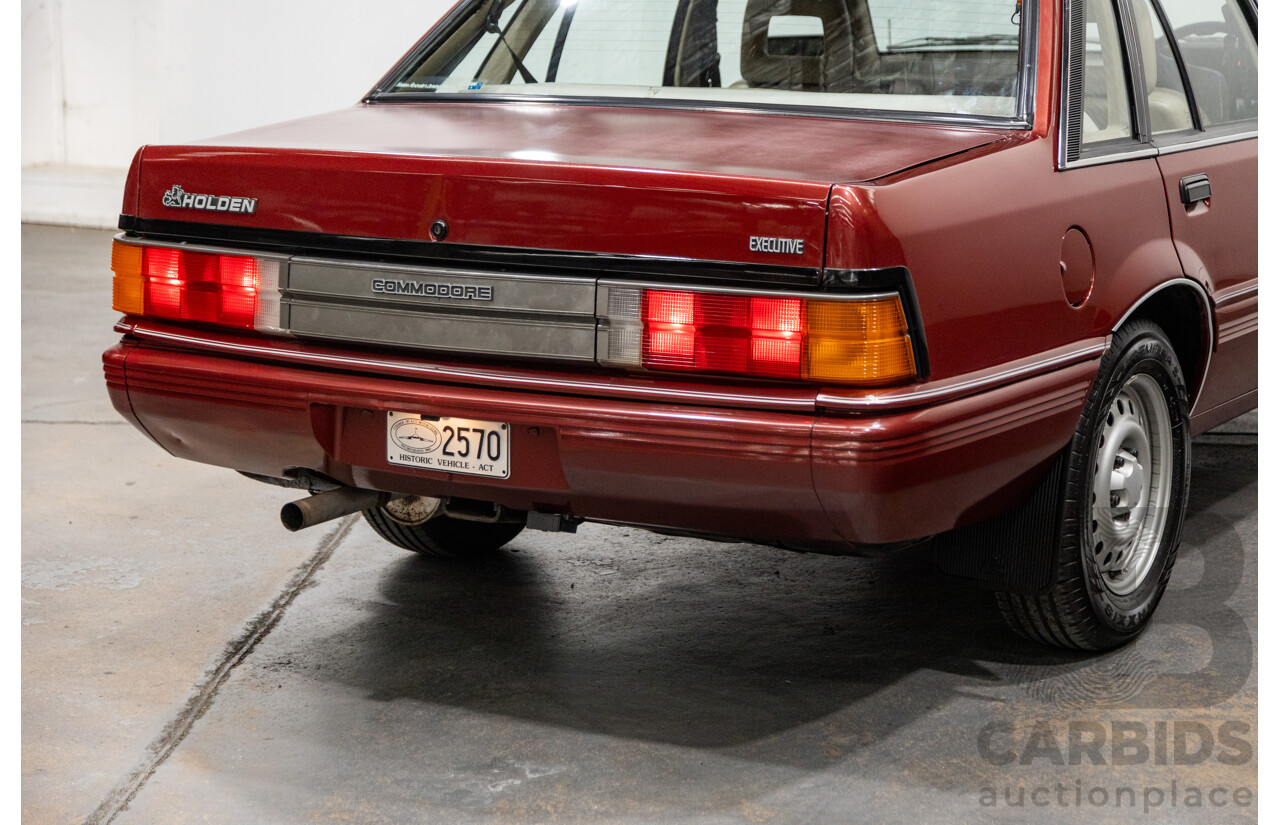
x=787, y=471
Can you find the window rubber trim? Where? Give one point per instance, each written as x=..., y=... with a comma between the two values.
x=1071, y=149
x=557, y=50
x=1176, y=50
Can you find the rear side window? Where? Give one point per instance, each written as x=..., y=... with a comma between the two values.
x=1105, y=110
x=1167, y=103
x=1221, y=56
x=1140, y=73
x=946, y=57
x=621, y=42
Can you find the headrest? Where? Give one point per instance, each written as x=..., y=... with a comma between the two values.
x=794, y=71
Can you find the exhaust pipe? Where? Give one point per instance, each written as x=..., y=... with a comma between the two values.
x=313, y=510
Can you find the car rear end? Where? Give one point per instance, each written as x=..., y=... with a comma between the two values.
x=531, y=310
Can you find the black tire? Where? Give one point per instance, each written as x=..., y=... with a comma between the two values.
x=441, y=535
x=1107, y=587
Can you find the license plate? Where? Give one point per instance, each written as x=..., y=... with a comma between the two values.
x=452, y=445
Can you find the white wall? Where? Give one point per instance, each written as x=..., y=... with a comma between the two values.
x=102, y=77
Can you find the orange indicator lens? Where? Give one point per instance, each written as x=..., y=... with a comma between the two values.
x=126, y=278
x=859, y=342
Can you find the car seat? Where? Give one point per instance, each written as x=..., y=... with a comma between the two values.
x=847, y=57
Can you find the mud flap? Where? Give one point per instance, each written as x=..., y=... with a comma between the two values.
x=1016, y=552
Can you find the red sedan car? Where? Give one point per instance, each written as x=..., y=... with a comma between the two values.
x=834, y=276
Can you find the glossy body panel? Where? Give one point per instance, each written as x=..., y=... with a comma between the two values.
x=1217, y=239
x=983, y=241
x=793, y=477
x=1217, y=242
x=1235, y=373
x=729, y=144
x=494, y=203
x=946, y=465
x=547, y=177
x=130, y=205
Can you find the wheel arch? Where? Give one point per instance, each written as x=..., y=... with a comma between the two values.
x=1181, y=307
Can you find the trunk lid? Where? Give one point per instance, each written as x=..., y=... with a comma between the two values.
x=583, y=179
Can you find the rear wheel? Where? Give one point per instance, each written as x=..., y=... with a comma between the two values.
x=413, y=523
x=1125, y=499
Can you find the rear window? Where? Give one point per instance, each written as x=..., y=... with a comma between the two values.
x=946, y=57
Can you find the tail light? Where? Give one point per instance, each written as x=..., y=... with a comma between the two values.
x=861, y=340
x=239, y=291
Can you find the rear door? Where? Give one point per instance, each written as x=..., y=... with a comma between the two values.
x=1199, y=58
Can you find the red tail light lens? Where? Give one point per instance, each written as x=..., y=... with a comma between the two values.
x=670, y=328
x=723, y=333
x=857, y=339
x=195, y=286
x=228, y=290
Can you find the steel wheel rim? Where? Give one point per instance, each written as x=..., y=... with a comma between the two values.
x=1131, y=485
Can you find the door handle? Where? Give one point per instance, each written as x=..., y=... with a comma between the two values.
x=1195, y=188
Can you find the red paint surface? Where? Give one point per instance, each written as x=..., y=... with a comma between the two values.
x=983, y=240
x=1217, y=243
x=540, y=176
x=754, y=474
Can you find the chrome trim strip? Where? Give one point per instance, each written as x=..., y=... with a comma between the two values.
x=1210, y=345
x=1146, y=150
x=1191, y=282
x=1235, y=293
x=602, y=311
x=492, y=377
x=1028, y=59
x=1015, y=123
x=837, y=448
x=960, y=386
x=418, y=251
x=1143, y=150
x=969, y=383
x=1204, y=143
x=1238, y=328
x=124, y=238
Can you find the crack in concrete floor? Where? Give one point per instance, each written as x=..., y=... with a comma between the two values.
x=206, y=690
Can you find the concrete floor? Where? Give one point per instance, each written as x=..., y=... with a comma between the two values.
x=185, y=659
